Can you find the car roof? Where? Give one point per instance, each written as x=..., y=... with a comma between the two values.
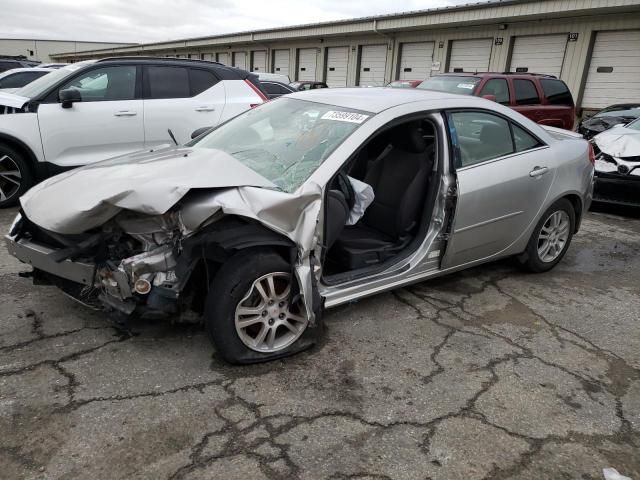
x=28, y=69
x=497, y=74
x=377, y=99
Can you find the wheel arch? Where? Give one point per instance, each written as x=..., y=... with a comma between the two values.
x=22, y=148
x=205, y=253
x=576, y=202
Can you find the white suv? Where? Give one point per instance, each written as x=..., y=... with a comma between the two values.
x=91, y=111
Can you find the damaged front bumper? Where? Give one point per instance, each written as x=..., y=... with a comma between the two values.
x=617, y=181
x=144, y=282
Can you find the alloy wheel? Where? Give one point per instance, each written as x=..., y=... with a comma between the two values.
x=10, y=178
x=553, y=236
x=264, y=319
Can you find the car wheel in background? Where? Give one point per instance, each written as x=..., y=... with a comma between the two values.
x=249, y=315
x=551, y=237
x=15, y=176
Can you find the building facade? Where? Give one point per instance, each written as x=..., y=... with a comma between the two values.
x=593, y=45
x=41, y=50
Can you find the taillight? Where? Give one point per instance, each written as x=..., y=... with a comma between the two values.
x=592, y=154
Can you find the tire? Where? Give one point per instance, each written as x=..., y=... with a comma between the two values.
x=15, y=176
x=551, y=238
x=234, y=297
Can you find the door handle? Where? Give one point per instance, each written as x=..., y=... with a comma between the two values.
x=538, y=171
x=205, y=109
x=125, y=113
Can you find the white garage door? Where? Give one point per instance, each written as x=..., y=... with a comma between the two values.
x=470, y=55
x=307, y=64
x=259, y=61
x=223, y=58
x=539, y=54
x=337, y=66
x=614, y=71
x=281, y=62
x=415, y=60
x=373, y=61
x=240, y=60
x=208, y=56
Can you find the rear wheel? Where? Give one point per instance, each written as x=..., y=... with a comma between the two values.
x=249, y=315
x=15, y=176
x=551, y=238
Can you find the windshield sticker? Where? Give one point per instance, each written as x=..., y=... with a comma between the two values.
x=468, y=86
x=350, y=117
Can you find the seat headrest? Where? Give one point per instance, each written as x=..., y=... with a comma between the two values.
x=409, y=137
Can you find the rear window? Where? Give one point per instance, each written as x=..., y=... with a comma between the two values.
x=557, y=92
x=462, y=85
x=526, y=93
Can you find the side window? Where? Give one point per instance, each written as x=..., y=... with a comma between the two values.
x=498, y=87
x=18, y=80
x=477, y=137
x=270, y=88
x=167, y=82
x=523, y=140
x=526, y=93
x=201, y=80
x=105, y=84
x=557, y=92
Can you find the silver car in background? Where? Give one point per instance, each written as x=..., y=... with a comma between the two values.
x=305, y=203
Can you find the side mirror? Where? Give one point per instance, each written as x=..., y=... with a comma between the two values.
x=490, y=97
x=68, y=97
x=199, y=131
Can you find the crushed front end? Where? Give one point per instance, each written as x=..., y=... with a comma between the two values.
x=127, y=265
x=617, y=179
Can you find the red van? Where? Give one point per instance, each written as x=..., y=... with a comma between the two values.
x=542, y=98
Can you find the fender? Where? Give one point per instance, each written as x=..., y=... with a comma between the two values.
x=39, y=169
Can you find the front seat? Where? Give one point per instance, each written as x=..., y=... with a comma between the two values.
x=399, y=180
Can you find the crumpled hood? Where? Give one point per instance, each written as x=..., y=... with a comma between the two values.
x=600, y=124
x=149, y=182
x=619, y=142
x=11, y=100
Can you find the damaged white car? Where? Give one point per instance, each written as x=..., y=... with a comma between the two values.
x=304, y=203
x=618, y=165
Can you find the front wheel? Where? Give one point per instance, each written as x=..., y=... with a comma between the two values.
x=551, y=238
x=249, y=315
x=15, y=176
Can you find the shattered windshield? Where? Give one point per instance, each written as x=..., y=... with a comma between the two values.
x=285, y=140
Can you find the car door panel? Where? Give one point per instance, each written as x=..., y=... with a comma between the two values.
x=106, y=123
x=497, y=200
x=176, y=110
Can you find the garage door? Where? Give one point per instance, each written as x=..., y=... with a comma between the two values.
x=539, y=54
x=223, y=58
x=415, y=60
x=470, y=55
x=614, y=71
x=373, y=60
x=337, y=66
x=240, y=60
x=281, y=62
x=259, y=63
x=207, y=56
x=307, y=64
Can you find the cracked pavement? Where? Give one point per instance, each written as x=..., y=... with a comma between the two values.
x=488, y=373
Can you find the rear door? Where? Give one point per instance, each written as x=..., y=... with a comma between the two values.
x=526, y=99
x=181, y=99
x=106, y=123
x=504, y=174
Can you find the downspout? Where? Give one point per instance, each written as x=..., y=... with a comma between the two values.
x=390, y=45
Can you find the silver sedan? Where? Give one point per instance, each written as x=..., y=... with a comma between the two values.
x=305, y=203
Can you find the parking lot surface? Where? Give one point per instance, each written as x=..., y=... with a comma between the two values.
x=489, y=373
